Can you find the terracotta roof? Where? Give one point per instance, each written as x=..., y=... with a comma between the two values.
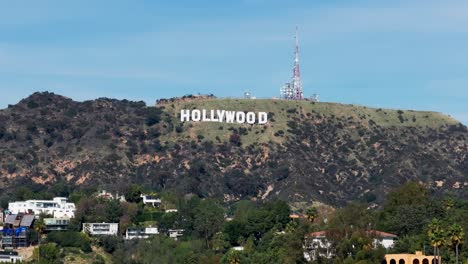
x=317, y=234
x=380, y=233
x=296, y=216
x=369, y=232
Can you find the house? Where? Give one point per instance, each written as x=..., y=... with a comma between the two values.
x=417, y=258
x=56, y=224
x=110, y=229
x=15, y=231
x=297, y=216
x=238, y=248
x=175, y=233
x=140, y=232
x=10, y=257
x=15, y=237
x=384, y=239
x=107, y=195
x=150, y=199
x=58, y=207
x=317, y=244
x=170, y=211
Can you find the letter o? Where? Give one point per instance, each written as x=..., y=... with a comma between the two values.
x=251, y=117
x=196, y=115
x=240, y=117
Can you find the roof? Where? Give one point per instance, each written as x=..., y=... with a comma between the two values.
x=317, y=234
x=380, y=234
x=296, y=216
x=27, y=220
x=10, y=219
x=8, y=253
x=368, y=232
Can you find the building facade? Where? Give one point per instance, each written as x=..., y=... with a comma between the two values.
x=140, y=232
x=317, y=244
x=110, y=229
x=56, y=224
x=10, y=257
x=417, y=258
x=149, y=199
x=58, y=207
x=175, y=233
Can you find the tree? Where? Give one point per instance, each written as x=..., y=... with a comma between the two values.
x=209, y=217
x=455, y=238
x=39, y=227
x=47, y=254
x=436, y=236
x=312, y=213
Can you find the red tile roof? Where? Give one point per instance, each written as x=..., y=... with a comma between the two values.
x=368, y=232
x=317, y=234
x=380, y=233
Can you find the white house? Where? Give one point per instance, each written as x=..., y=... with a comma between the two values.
x=110, y=229
x=149, y=199
x=58, y=207
x=10, y=257
x=140, y=232
x=317, y=245
x=175, y=233
x=384, y=239
x=107, y=195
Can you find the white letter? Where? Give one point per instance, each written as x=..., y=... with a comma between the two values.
x=262, y=117
x=196, y=115
x=220, y=115
x=251, y=117
x=213, y=116
x=184, y=115
x=240, y=116
x=204, y=118
x=230, y=116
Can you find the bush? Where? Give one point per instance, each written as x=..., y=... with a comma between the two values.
x=70, y=239
x=154, y=116
x=32, y=104
x=109, y=243
x=48, y=253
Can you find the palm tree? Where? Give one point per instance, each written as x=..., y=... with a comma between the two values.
x=39, y=226
x=437, y=236
x=455, y=238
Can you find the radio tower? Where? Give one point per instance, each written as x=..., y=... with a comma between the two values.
x=296, y=80
x=293, y=90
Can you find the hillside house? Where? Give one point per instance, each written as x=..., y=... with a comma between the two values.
x=417, y=258
x=150, y=199
x=94, y=229
x=108, y=195
x=58, y=207
x=15, y=230
x=318, y=245
x=56, y=224
x=175, y=233
x=10, y=257
x=140, y=232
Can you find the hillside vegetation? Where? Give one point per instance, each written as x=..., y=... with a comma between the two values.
x=283, y=111
x=307, y=152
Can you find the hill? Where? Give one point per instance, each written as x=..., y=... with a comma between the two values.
x=325, y=152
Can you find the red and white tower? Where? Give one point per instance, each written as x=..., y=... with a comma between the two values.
x=293, y=90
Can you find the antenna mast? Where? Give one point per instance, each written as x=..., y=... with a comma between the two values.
x=293, y=90
x=296, y=80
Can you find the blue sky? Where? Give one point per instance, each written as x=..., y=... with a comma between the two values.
x=395, y=54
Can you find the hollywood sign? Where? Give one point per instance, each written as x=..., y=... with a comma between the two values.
x=223, y=116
